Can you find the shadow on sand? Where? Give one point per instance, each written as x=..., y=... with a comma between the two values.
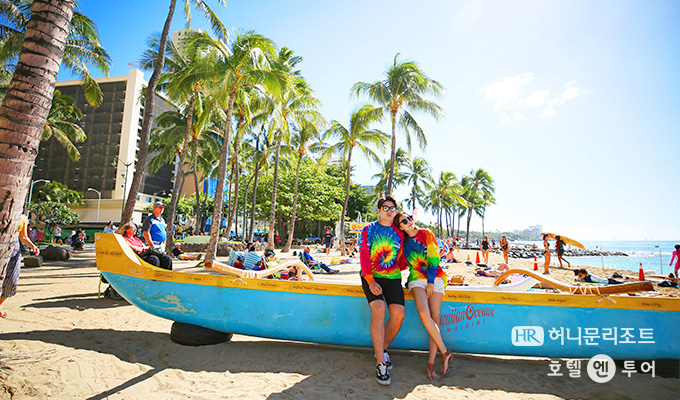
x=467, y=373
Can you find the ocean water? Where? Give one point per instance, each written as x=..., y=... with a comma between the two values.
x=654, y=255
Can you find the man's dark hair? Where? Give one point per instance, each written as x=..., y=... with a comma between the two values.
x=580, y=271
x=386, y=198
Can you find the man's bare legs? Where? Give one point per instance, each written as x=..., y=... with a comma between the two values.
x=384, y=333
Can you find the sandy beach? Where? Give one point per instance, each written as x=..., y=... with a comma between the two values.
x=59, y=341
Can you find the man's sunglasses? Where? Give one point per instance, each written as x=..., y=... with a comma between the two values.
x=389, y=208
x=406, y=220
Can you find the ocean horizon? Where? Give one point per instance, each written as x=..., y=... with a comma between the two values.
x=654, y=255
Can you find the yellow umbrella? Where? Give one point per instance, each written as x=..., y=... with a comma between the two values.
x=566, y=240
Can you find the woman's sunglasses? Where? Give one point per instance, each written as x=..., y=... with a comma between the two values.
x=406, y=220
x=389, y=208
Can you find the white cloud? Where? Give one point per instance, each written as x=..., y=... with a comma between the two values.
x=508, y=90
x=536, y=99
x=570, y=92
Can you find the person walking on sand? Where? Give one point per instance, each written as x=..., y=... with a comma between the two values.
x=381, y=258
x=427, y=283
x=676, y=258
x=57, y=235
x=485, y=249
x=559, y=249
x=328, y=239
x=504, y=248
x=9, y=273
x=546, y=254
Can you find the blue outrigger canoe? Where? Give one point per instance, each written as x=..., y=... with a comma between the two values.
x=482, y=320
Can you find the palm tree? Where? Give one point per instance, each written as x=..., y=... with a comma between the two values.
x=478, y=189
x=398, y=94
x=294, y=105
x=23, y=113
x=240, y=65
x=443, y=194
x=149, y=98
x=418, y=172
x=82, y=46
x=305, y=140
x=360, y=135
x=59, y=126
x=401, y=160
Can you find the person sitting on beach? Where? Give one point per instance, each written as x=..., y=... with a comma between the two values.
x=559, y=248
x=583, y=276
x=427, y=283
x=110, y=228
x=78, y=240
x=292, y=273
x=177, y=252
x=449, y=257
x=311, y=262
x=670, y=281
x=492, y=272
x=150, y=255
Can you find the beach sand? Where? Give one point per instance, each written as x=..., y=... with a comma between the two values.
x=59, y=341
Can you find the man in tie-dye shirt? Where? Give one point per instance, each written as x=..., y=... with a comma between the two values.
x=382, y=260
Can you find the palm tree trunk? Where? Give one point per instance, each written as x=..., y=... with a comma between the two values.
x=25, y=108
x=272, y=212
x=393, y=152
x=221, y=179
x=258, y=165
x=232, y=212
x=140, y=165
x=245, y=207
x=467, y=234
x=341, y=239
x=199, y=210
x=177, y=185
x=291, y=229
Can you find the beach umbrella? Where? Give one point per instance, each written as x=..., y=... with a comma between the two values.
x=565, y=239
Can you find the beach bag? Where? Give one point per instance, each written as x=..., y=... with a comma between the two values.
x=457, y=280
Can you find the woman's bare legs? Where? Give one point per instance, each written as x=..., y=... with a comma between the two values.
x=3, y=314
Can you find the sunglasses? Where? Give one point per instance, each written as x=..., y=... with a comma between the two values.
x=389, y=208
x=406, y=220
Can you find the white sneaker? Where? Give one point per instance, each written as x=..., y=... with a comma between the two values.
x=381, y=374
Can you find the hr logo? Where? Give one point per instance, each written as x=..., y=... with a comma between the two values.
x=527, y=336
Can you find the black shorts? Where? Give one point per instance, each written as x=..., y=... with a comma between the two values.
x=392, y=293
x=560, y=252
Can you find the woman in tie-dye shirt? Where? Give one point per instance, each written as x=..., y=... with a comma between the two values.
x=427, y=283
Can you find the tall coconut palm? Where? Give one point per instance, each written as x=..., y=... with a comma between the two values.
x=442, y=195
x=188, y=70
x=82, y=48
x=401, y=92
x=295, y=105
x=478, y=189
x=419, y=175
x=359, y=134
x=23, y=113
x=59, y=126
x=149, y=98
x=305, y=140
x=399, y=177
x=241, y=64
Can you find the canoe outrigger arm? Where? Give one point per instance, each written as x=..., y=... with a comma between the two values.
x=250, y=274
x=576, y=289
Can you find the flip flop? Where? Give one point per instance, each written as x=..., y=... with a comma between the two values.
x=446, y=360
x=3, y=314
x=431, y=375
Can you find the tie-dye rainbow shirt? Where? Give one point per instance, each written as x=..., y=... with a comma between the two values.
x=380, y=251
x=422, y=253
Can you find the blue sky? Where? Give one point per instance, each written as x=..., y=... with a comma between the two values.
x=571, y=106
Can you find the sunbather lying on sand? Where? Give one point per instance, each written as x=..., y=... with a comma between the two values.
x=492, y=272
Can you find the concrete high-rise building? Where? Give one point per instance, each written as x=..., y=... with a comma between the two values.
x=108, y=155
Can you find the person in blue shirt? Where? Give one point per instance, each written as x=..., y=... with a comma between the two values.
x=309, y=260
x=153, y=228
